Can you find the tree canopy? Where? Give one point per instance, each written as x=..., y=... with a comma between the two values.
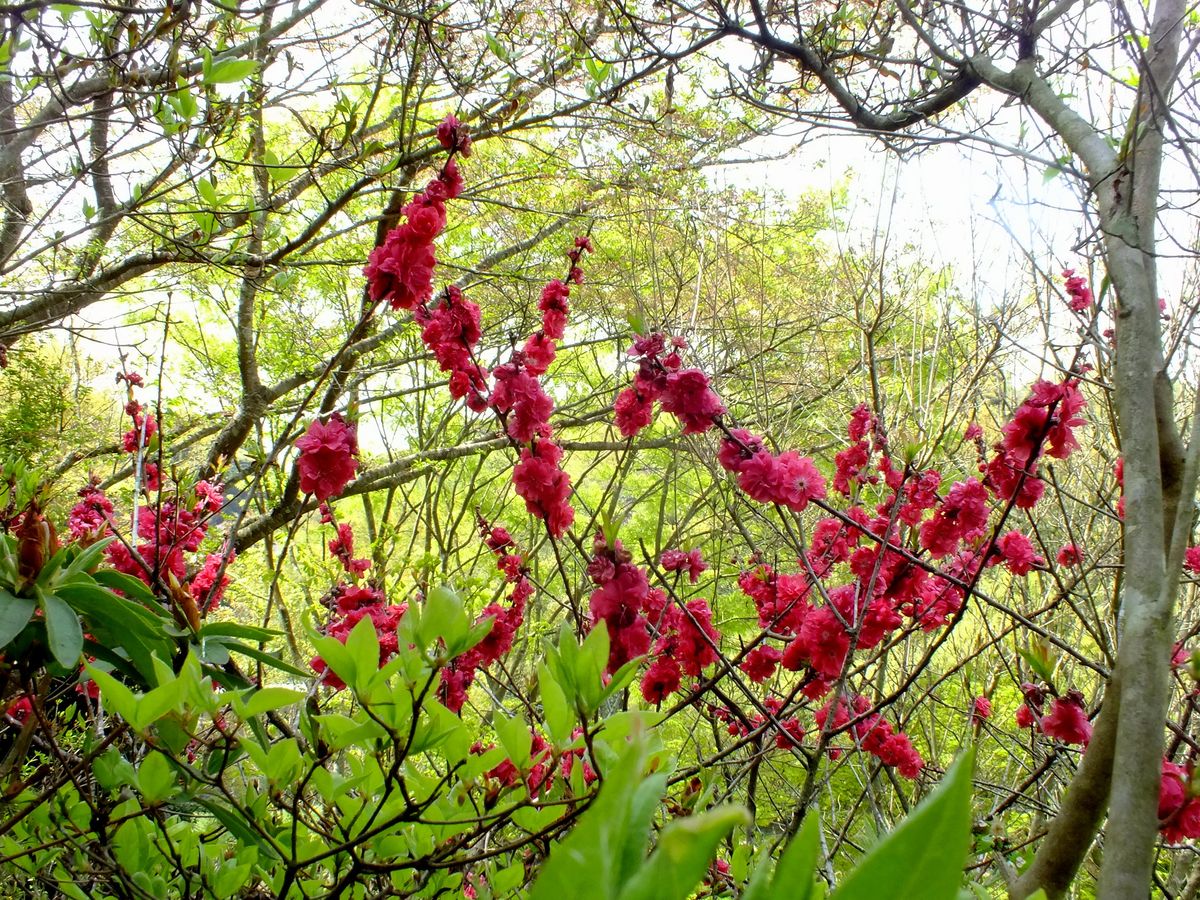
x=429, y=471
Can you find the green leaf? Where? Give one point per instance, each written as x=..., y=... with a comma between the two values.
x=268, y=659
x=118, y=698
x=89, y=557
x=362, y=647
x=559, y=718
x=590, y=665
x=230, y=71
x=443, y=616
x=15, y=613
x=497, y=48
x=797, y=865
x=598, y=69
x=590, y=864
x=236, y=825
x=265, y=700
x=63, y=631
x=236, y=630
x=155, y=778
x=155, y=704
x=685, y=849
x=207, y=191
x=130, y=587
x=516, y=739
x=1040, y=659
x=923, y=857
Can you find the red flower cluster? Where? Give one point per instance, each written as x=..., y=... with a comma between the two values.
x=779, y=598
x=400, y=270
x=1078, y=290
x=981, y=708
x=1069, y=555
x=525, y=408
x=873, y=734
x=458, y=676
x=89, y=519
x=788, y=479
x=519, y=399
x=454, y=136
x=342, y=548
x=961, y=518
x=328, y=452
x=1045, y=422
x=685, y=393
x=540, y=481
x=1178, y=808
x=451, y=329
x=1016, y=551
x=350, y=604
x=689, y=561
x=1067, y=720
x=850, y=463
x=688, y=644
x=622, y=600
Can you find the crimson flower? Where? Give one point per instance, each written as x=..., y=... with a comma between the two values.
x=327, y=457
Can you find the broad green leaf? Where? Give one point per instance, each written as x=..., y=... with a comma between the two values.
x=63, y=631
x=15, y=613
x=207, y=191
x=230, y=71
x=236, y=630
x=130, y=587
x=559, y=718
x=794, y=874
x=117, y=698
x=443, y=616
x=683, y=853
x=362, y=646
x=235, y=824
x=922, y=858
x=516, y=739
x=587, y=864
x=155, y=778
x=157, y=703
x=268, y=659
x=89, y=557
x=265, y=700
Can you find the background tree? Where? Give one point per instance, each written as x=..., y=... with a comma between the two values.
x=911, y=74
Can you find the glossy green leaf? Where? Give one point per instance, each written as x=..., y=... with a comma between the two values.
x=682, y=855
x=63, y=632
x=516, y=739
x=587, y=865
x=15, y=613
x=230, y=71
x=265, y=700
x=922, y=858
x=559, y=718
x=155, y=778
x=117, y=698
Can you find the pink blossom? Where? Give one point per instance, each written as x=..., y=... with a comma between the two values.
x=760, y=663
x=633, y=411
x=981, y=708
x=327, y=457
x=688, y=397
x=689, y=561
x=1018, y=554
x=1078, y=290
x=1069, y=555
x=1067, y=720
